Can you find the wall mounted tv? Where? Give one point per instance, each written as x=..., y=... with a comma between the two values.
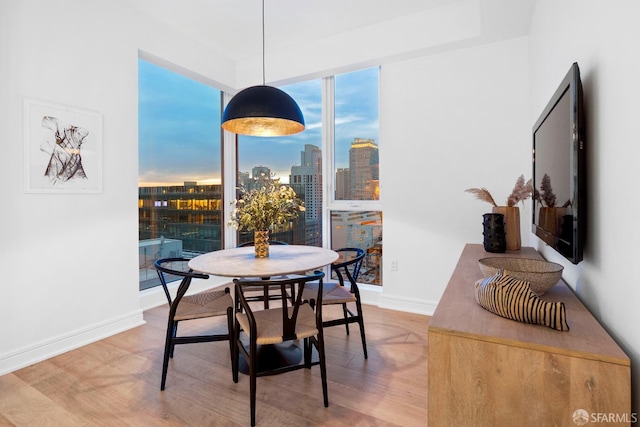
x=559, y=180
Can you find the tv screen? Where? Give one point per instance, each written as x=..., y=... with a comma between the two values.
x=559, y=170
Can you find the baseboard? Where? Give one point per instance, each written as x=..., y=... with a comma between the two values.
x=374, y=295
x=15, y=360
x=370, y=294
x=409, y=305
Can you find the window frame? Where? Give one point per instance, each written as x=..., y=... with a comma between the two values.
x=329, y=165
x=329, y=202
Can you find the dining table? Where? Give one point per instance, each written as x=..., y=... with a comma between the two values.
x=283, y=260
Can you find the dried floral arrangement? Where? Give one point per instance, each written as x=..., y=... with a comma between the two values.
x=271, y=206
x=521, y=192
x=546, y=196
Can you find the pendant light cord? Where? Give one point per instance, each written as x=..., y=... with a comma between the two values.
x=263, y=62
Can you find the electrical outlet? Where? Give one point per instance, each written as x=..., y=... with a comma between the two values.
x=394, y=265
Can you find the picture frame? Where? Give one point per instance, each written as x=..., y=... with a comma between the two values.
x=63, y=149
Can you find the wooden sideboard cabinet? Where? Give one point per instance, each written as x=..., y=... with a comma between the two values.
x=485, y=370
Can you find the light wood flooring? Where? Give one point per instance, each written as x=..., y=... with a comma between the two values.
x=116, y=381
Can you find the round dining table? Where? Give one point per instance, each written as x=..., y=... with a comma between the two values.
x=282, y=260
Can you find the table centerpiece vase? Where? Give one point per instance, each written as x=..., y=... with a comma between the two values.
x=261, y=243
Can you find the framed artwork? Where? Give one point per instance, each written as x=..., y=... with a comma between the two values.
x=63, y=149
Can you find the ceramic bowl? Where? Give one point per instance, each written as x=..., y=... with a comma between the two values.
x=542, y=275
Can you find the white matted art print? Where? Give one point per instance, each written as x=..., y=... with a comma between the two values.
x=63, y=149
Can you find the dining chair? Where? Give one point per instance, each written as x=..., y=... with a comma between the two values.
x=268, y=329
x=338, y=293
x=183, y=307
x=266, y=295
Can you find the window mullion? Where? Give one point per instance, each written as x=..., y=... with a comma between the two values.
x=229, y=178
x=328, y=163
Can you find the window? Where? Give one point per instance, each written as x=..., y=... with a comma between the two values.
x=350, y=151
x=360, y=229
x=333, y=166
x=295, y=160
x=356, y=136
x=355, y=210
x=180, y=192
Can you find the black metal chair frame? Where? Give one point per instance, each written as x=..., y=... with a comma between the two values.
x=341, y=270
x=172, y=327
x=289, y=311
x=266, y=296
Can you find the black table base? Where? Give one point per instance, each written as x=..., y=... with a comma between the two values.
x=272, y=357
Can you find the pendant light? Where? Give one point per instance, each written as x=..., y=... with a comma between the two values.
x=262, y=110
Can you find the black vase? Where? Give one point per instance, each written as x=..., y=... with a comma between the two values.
x=494, y=235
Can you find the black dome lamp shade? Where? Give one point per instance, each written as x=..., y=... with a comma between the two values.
x=262, y=110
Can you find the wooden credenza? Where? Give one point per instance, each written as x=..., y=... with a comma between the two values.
x=485, y=370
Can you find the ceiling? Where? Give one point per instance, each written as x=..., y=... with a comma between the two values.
x=233, y=27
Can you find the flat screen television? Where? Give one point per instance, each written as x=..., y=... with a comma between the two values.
x=559, y=200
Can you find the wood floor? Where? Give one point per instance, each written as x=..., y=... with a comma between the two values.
x=116, y=381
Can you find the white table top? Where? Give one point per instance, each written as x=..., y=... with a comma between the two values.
x=283, y=259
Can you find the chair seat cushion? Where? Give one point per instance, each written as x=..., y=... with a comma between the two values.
x=204, y=304
x=269, y=324
x=332, y=293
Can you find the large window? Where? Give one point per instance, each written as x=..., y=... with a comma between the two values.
x=354, y=216
x=355, y=209
x=295, y=160
x=333, y=166
x=180, y=192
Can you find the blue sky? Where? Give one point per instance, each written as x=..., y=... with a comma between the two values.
x=179, y=126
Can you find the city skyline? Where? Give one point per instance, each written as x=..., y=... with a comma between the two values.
x=180, y=117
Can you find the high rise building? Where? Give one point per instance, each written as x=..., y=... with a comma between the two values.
x=306, y=181
x=364, y=169
x=259, y=174
x=343, y=184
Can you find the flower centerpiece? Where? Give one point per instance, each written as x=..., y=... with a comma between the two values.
x=521, y=192
x=272, y=206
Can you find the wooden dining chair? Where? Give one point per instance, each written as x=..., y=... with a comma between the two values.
x=338, y=293
x=267, y=329
x=183, y=307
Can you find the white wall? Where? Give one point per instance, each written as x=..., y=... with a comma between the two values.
x=448, y=122
x=70, y=268
x=602, y=38
x=69, y=260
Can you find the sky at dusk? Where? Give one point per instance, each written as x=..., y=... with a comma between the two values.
x=179, y=126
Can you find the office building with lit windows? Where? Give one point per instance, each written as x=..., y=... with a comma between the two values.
x=364, y=177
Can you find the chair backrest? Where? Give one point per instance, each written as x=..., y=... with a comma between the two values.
x=176, y=267
x=271, y=242
x=290, y=307
x=350, y=267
